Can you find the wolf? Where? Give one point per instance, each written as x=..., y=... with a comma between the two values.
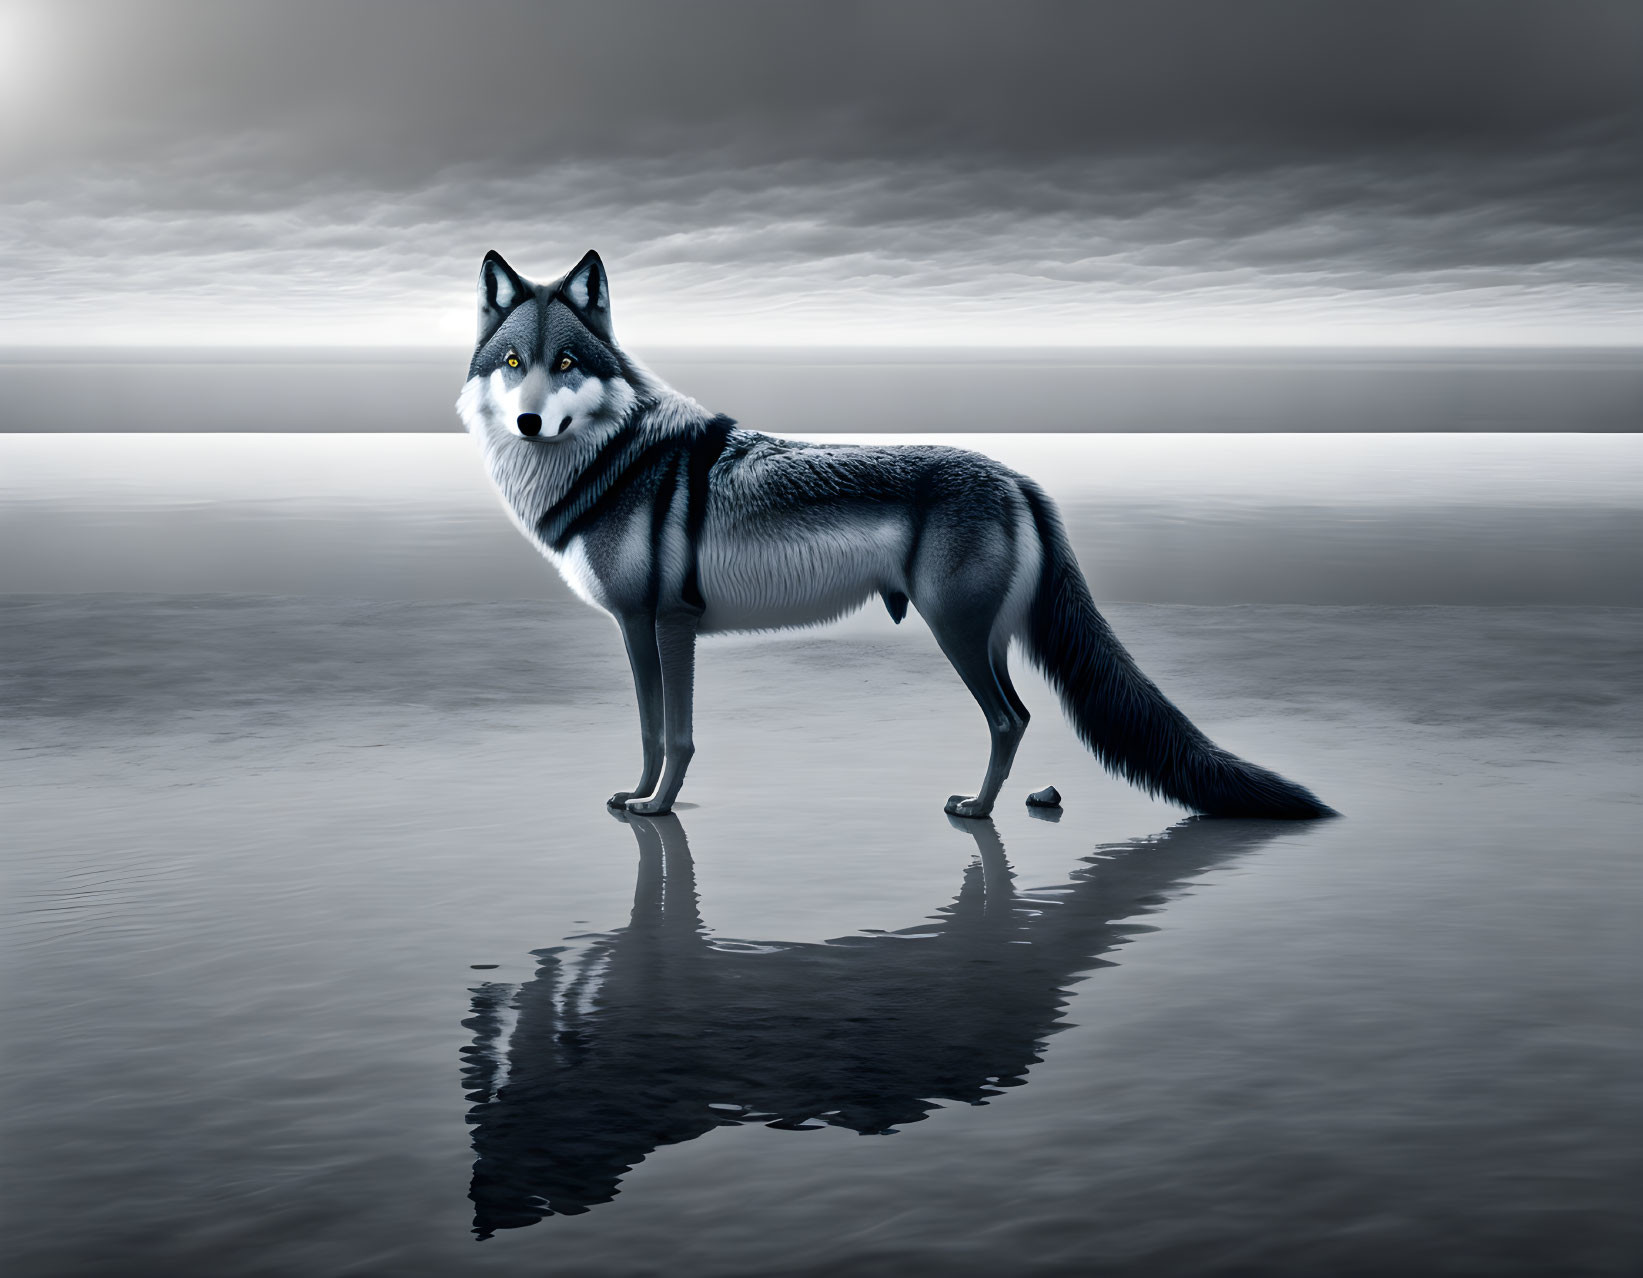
x=679, y=523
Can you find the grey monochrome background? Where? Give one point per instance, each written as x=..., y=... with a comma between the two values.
x=305, y=749
x=1463, y=173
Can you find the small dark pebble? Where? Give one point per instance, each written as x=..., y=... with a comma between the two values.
x=483, y=967
x=1048, y=797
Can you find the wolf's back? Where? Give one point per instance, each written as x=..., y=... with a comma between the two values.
x=1132, y=728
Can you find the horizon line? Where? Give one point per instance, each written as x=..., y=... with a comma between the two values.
x=1003, y=348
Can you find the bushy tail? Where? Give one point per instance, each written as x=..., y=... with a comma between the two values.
x=1133, y=729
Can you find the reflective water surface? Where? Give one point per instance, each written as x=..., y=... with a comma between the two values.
x=658, y=1033
x=323, y=956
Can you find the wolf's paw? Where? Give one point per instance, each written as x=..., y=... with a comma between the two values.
x=619, y=799
x=648, y=807
x=963, y=806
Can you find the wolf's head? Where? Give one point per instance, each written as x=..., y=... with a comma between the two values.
x=546, y=366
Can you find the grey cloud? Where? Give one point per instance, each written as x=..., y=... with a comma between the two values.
x=850, y=170
x=1055, y=251
x=394, y=91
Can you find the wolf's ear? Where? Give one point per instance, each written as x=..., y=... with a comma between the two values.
x=501, y=288
x=587, y=289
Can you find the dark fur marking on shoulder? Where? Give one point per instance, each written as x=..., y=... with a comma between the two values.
x=551, y=526
x=645, y=462
x=896, y=602
x=705, y=450
x=667, y=492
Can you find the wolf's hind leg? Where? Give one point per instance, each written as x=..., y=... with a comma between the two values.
x=639, y=635
x=676, y=650
x=984, y=667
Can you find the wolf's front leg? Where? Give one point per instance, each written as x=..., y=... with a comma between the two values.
x=676, y=649
x=639, y=635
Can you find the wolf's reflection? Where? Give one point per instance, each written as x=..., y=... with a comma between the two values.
x=655, y=1034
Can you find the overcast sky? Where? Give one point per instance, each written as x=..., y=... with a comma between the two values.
x=1229, y=171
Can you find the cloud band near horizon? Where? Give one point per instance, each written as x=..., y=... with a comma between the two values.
x=1105, y=174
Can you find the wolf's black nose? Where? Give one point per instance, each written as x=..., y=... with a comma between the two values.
x=530, y=424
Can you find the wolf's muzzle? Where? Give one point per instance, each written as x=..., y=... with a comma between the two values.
x=530, y=424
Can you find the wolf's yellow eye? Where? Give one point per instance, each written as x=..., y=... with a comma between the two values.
x=565, y=361
x=513, y=360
